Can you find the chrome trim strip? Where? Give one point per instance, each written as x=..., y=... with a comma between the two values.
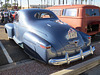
x=68, y=59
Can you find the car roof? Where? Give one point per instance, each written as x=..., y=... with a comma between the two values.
x=72, y=6
x=34, y=9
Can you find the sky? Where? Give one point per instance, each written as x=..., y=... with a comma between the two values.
x=37, y=2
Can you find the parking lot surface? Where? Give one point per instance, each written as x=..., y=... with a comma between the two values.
x=15, y=52
x=93, y=71
x=17, y=55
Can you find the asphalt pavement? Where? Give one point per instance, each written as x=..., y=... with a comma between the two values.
x=9, y=49
x=93, y=71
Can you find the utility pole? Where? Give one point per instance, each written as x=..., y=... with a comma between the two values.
x=51, y=2
x=20, y=3
x=66, y=1
x=47, y=3
x=81, y=1
x=5, y=4
x=28, y=3
x=54, y=2
x=41, y=4
x=63, y=2
x=11, y=3
x=59, y=2
x=75, y=1
x=17, y=3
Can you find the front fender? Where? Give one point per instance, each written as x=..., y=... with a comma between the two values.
x=9, y=28
x=34, y=41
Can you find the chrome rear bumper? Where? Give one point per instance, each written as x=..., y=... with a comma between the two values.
x=68, y=59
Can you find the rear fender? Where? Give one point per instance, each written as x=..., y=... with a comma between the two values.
x=85, y=37
x=33, y=41
x=9, y=29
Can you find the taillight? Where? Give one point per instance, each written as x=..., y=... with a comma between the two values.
x=89, y=37
x=45, y=47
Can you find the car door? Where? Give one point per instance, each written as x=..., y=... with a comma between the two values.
x=19, y=28
x=16, y=27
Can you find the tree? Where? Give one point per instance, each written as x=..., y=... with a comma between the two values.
x=6, y=5
x=7, y=1
x=20, y=3
x=1, y=3
x=15, y=2
x=82, y=1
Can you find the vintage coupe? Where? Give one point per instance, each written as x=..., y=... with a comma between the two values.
x=43, y=36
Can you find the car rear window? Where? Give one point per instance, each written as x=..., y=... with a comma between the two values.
x=92, y=12
x=69, y=12
x=43, y=15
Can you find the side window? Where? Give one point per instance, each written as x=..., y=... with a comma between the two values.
x=56, y=11
x=92, y=12
x=69, y=12
x=17, y=17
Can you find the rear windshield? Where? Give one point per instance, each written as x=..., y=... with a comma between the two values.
x=92, y=12
x=69, y=12
x=43, y=15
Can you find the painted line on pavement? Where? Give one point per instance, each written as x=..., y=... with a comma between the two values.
x=6, y=53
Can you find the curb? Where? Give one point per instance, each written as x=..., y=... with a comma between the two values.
x=79, y=68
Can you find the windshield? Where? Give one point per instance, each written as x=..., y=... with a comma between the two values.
x=92, y=12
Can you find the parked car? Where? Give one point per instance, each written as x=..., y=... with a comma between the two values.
x=85, y=18
x=44, y=37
